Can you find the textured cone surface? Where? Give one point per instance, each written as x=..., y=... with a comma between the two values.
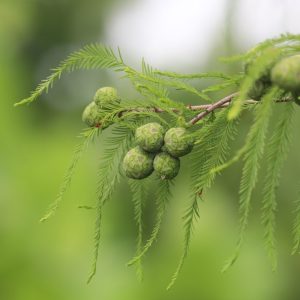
x=91, y=115
x=166, y=165
x=177, y=142
x=286, y=73
x=137, y=163
x=105, y=96
x=150, y=137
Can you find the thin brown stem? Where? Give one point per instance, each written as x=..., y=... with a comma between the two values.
x=205, y=109
x=224, y=102
x=212, y=107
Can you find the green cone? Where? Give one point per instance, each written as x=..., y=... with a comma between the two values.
x=177, y=142
x=105, y=96
x=286, y=73
x=91, y=115
x=150, y=137
x=166, y=165
x=137, y=163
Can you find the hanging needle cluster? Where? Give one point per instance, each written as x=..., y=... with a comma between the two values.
x=148, y=136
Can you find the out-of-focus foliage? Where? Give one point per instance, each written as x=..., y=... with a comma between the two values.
x=51, y=261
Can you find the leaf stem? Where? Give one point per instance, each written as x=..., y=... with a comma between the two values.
x=205, y=109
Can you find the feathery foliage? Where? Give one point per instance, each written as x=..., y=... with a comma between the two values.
x=109, y=177
x=162, y=196
x=256, y=69
x=87, y=136
x=93, y=56
x=138, y=194
x=255, y=147
x=277, y=150
x=213, y=124
x=211, y=151
x=189, y=217
x=209, y=75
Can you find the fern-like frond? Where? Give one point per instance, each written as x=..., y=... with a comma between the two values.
x=145, y=114
x=283, y=40
x=230, y=162
x=191, y=214
x=162, y=196
x=256, y=69
x=109, y=175
x=138, y=193
x=93, y=56
x=211, y=151
x=238, y=155
x=255, y=147
x=209, y=75
x=149, y=76
x=233, y=82
x=183, y=86
x=276, y=153
x=87, y=136
x=97, y=235
x=127, y=109
x=149, y=85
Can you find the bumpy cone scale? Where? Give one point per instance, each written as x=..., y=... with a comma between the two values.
x=166, y=165
x=286, y=73
x=177, y=142
x=150, y=137
x=138, y=163
x=91, y=115
x=105, y=96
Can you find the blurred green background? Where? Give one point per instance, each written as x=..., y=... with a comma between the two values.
x=52, y=260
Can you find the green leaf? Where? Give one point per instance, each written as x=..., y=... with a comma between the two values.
x=109, y=176
x=138, y=195
x=276, y=153
x=93, y=56
x=209, y=75
x=191, y=214
x=211, y=152
x=255, y=147
x=87, y=136
x=256, y=69
x=162, y=196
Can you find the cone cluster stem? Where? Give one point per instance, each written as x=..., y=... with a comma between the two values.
x=205, y=109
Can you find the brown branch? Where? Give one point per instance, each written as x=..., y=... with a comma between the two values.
x=205, y=109
x=212, y=107
x=189, y=107
x=224, y=102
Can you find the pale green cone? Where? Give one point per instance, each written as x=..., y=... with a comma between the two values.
x=105, y=96
x=138, y=163
x=150, y=136
x=286, y=73
x=91, y=115
x=177, y=142
x=166, y=165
